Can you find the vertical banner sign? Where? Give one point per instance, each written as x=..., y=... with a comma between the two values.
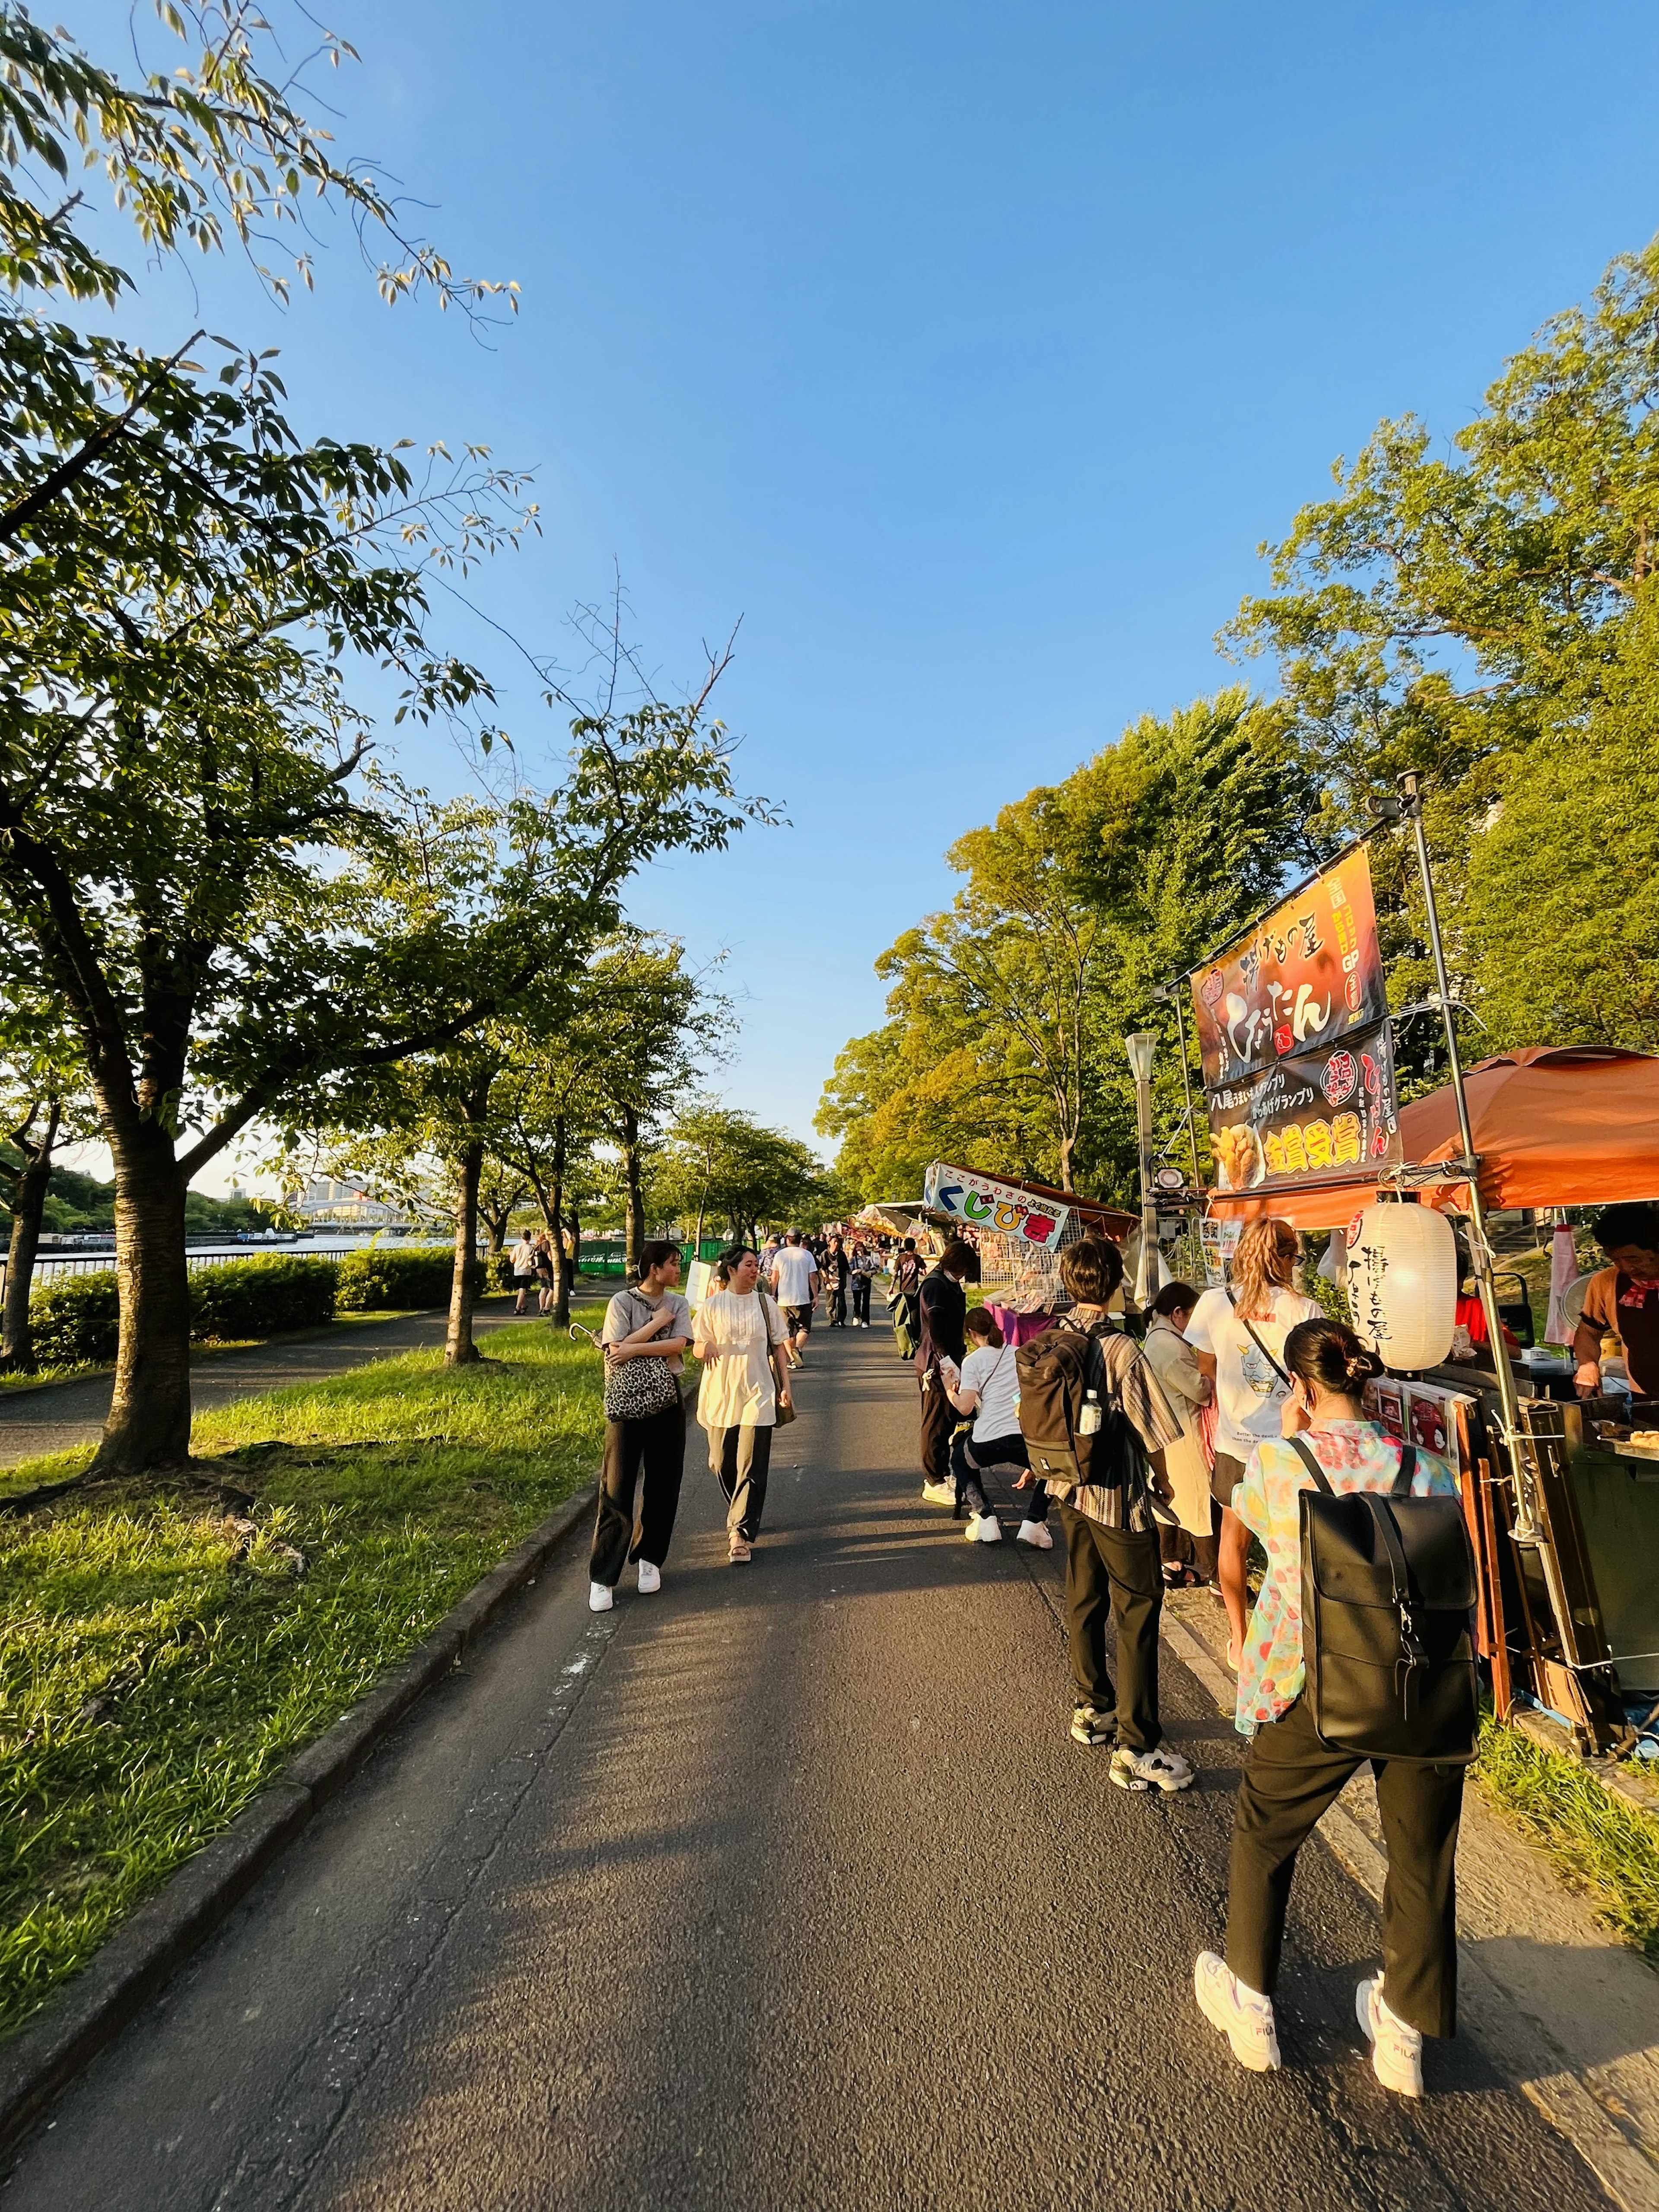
x=980, y=1201
x=1293, y=1035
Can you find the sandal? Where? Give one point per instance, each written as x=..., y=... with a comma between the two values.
x=740, y=1553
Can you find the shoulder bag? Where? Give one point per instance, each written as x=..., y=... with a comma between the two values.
x=639, y=1390
x=782, y=1414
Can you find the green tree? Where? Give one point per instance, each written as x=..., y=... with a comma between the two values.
x=1484, y=615
x=718, y=1164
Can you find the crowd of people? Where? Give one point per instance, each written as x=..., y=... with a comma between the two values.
x=1207, y=1418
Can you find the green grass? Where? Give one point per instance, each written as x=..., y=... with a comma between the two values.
x=1600, y=1843
x=158, y=1664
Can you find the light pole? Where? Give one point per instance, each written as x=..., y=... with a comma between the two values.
x=1141, y=1049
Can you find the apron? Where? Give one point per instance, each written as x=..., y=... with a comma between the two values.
x=1639, y=1331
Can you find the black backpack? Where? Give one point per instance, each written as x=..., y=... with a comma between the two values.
x=1388, y=1583
x=1062, y=1384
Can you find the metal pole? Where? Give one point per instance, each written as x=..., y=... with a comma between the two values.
x=1526, y=1530
x=1140, y=1048
x=1186, y=1086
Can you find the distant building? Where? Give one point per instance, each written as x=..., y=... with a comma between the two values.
x=329, y=1204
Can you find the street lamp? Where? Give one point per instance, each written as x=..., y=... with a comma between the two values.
x=1141, y=1049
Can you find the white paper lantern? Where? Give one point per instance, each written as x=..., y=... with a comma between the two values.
x=1402, y=1284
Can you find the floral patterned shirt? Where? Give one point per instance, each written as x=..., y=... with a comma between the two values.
x=1355, y=1456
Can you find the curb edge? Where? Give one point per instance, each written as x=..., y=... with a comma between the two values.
x=149, y=1948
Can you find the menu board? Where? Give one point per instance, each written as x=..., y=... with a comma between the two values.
x=1293, y=1034
x=1313, y=1113
x=1303, y=979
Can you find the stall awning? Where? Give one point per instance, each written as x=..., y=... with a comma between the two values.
x=1553, y=1125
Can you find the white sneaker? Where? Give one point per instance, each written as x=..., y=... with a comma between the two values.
x=1245, y=2018
x=984, y=1528
x=1162, y=1769
x=599, y=1597
x=1396, y=2050
x=1035, y=1533
x=650, y=1578
x=939, y=1493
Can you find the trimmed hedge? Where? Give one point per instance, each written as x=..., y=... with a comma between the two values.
x=374, y=1276
x=259, y=1298
x=75, y=1319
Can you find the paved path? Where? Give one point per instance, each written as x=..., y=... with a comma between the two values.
x=785, y=1891
x=68, y=1413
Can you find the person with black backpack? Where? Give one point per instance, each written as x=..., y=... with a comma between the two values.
x=1357, y=1649
x=1096, y=1423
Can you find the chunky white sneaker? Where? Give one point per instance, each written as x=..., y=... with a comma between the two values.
x=984, y=1528
x=599, y=1598
x=1396, y=2050
x=650, y=1578
x=1035, y=1533
x=939, y=1493
x=1245, y=2018
x=1162, y=1769
x=1093, y=1728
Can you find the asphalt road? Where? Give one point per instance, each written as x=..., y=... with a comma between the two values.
x=784, y=1890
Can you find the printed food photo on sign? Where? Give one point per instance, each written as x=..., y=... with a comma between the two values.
x=1309, y=1115
x=1428, y=1424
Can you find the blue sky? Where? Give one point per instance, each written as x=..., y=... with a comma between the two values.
x=968, y=352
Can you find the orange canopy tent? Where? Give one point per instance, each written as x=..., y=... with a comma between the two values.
x=1553, y=1125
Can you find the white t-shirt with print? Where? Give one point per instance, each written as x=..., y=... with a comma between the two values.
x=793, y=1272
x=1247, y=1393
x=991, y=1372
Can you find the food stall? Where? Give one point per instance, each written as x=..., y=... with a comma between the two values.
x=1569, y=1594
x=1019, y=1230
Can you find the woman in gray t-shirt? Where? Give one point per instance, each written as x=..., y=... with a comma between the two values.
x=650, y=1323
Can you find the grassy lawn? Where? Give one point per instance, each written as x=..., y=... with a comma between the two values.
x=1602, y=1844
x=161, y=1655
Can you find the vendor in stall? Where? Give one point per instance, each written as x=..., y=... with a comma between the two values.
x=1622, y=1300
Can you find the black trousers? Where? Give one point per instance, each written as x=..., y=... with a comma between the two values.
x=835, y=1297
x=939, y=1425
x=1115, y=1570
x=861, y=1299
x=968, y=1458
x=655, y=1448
x=1290, y=1777
x=740, y=1460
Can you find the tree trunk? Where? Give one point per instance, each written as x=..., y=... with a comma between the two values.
x=563, y=1269
x=28, y=1202
x=459, y=1350
x=575, y=1245
x=635, y=1231
x=149, y=1422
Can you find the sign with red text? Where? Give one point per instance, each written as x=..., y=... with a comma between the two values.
x=980, y=1201
x=1308, y=977
x=1311, y=1115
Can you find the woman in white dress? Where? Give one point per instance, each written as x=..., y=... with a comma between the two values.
x=742, y=1340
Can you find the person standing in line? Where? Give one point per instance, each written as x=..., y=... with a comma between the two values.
x=769, y=1252
x=1291, y=1777
x=795, y=1280
x=988, y=1386
x=651, y=1325
x=524, y=1270
x=837, y=1270
x=865, y=1265
x=1111, y=1544
x=1188, y=1543
x=904, y=1298
x=1239, y=1334
x=943, y=1309
x=741, y=1339
x=544, y=1272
